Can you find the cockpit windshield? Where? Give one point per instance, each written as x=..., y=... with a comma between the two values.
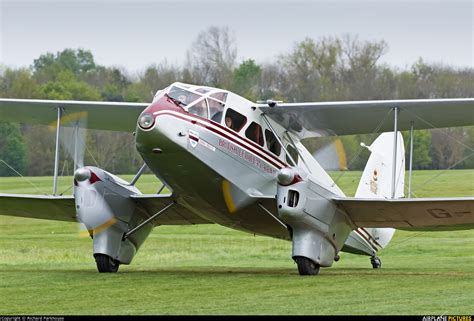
x=182, y=96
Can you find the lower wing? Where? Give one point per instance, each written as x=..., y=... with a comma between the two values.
x=62, y=208
x=428, y=214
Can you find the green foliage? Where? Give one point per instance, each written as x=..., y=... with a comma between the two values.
x=67, y=87
x=18, y=84
x=421, y=148
x=12, y=149
x=49, y=66
x=110, y=82
x=246, y=79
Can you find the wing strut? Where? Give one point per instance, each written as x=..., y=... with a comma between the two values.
x=139, y=226
x=139, y=173
x=276, y=218
x=411, y=160
x=395, y=132
x=56, y=154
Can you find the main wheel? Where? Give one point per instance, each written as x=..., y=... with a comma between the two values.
x=306, y=266
x=106, y=264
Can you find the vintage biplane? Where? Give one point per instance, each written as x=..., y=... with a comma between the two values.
x=241, y=164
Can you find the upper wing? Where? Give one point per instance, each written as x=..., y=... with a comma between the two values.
x=62, y=208
x=431, y=214
x=100, y=115
x=359, y=117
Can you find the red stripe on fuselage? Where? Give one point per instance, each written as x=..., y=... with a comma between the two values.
x=370, y=237
x=366, y=239
x=255, y=149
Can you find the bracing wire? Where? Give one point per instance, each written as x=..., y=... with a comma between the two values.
x=419, y=187
x=356, y=156
x=19, y=174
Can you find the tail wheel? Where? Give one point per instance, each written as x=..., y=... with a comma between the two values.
x=306, y=266
x=106, y=264
x=376, y=262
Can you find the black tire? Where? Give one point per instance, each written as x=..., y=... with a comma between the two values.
x=376, y=262
x=106, y=264
x=306, y=266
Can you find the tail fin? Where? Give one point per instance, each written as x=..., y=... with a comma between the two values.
x=376, y=180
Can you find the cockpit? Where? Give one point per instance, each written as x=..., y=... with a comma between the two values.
x=202, y=101
x=224, y=107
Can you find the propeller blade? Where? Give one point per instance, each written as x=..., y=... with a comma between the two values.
x=73, y=136
x=332, y=156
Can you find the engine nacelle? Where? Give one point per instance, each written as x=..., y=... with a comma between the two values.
x=104, y=206
x=319, y=228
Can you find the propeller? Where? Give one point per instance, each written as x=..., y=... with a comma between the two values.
x=89, y=182
x=73, y=136
x=331, y=155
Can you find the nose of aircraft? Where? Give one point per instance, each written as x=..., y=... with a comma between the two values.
x=146, y=120
x=151, y=136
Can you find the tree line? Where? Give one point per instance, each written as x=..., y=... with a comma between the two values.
x=325, y=69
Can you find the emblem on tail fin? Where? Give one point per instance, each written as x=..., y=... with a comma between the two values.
x=374, y=182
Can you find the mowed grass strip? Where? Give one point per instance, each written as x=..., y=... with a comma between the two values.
x=46, y=268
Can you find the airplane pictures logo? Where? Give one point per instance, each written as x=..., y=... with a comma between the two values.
x=447, y=318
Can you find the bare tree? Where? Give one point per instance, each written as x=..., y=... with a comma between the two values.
x=359, y=69
x=212, y=57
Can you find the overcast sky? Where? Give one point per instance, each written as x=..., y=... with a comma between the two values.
x=135, y=34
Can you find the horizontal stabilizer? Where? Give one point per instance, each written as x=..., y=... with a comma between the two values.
x=434, y=214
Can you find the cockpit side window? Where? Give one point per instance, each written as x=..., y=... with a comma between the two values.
x=272, y=143
x=234, y=120
x=254, y=132
x=199, y=109
x=216, y=109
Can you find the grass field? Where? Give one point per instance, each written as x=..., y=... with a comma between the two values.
x=46, y=268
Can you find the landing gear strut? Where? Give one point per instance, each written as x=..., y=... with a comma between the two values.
x=306, y=266
x=376, y=262
x=106, y=264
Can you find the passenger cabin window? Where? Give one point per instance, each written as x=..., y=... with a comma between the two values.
x=254, y=132
x=272, y=143
x=234, y=120
x=199, y=109
x=293, y=152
